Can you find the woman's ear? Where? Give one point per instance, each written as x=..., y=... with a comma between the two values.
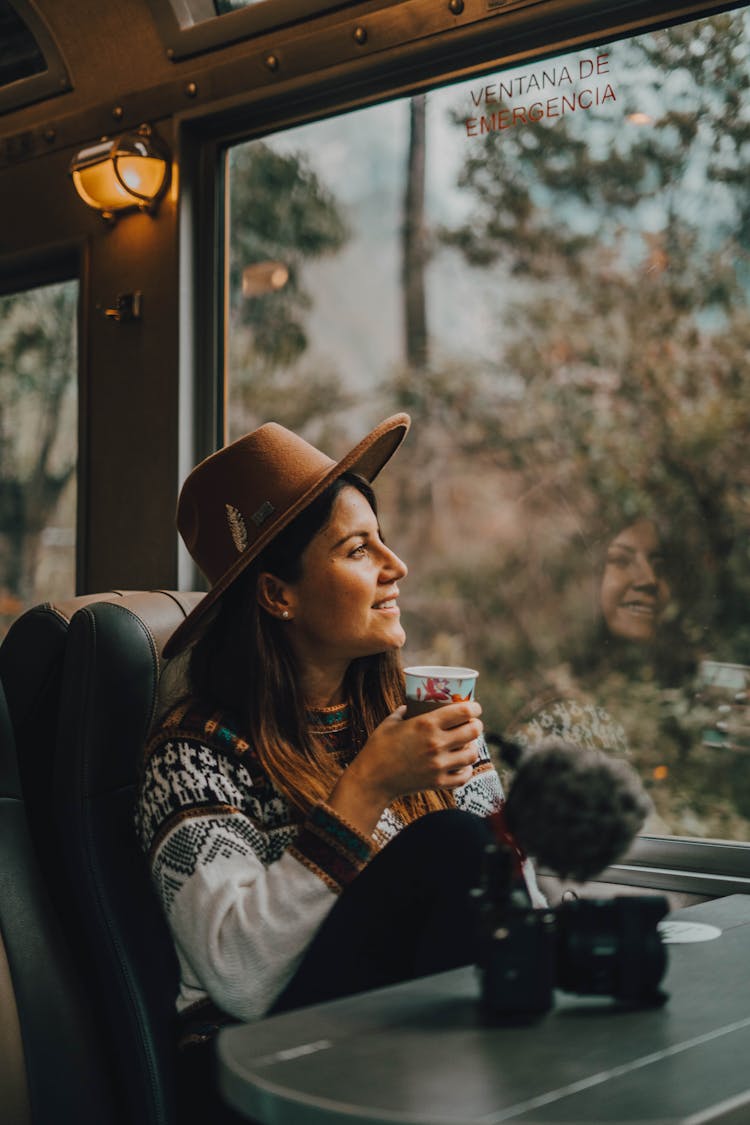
x=273, y=596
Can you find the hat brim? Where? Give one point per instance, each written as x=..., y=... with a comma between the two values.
x=366, y=459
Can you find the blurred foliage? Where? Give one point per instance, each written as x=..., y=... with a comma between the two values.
x=632, y=345
x=38, y=438
x=280, y=212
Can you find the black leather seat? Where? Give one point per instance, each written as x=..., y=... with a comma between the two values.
x=107, y=704
x=31, y=662
x=51, y=1066
x=84, y=677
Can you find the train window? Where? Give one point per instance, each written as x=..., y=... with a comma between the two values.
x=38, y=446
x=547, y=267
x=31, y=66
x=21, y=55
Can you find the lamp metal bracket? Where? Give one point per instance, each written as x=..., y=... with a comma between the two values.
x=127, y=307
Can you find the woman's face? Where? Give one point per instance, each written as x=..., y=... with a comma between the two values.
x=345, y=602
x=634, y=591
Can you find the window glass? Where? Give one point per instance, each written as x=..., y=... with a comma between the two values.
x=20, y=55
x=547, y=267
x=31, y=66
x=224, y=6
x=38, y=447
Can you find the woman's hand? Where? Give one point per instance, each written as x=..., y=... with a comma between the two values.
x=435, y=750
x=432, y=751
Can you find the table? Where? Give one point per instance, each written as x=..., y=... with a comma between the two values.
x=420, y=1054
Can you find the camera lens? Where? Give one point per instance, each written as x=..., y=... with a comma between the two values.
x=611, y=947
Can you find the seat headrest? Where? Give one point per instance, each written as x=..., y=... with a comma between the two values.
x=32, y=652
x=112, y=680
x=159, y=611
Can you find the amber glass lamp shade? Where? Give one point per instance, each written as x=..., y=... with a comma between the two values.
x=122, y=173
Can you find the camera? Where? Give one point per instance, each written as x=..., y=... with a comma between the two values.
x=575, y=811
x=589, y=946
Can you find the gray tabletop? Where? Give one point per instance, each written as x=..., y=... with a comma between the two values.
x=421, y=1053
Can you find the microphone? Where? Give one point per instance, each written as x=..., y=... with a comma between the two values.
x=573, y=809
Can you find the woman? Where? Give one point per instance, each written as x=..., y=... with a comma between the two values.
x=269, y=792
x=631, y=598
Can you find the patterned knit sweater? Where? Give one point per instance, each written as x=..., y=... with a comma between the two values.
x=574, y=719
x=243, y=881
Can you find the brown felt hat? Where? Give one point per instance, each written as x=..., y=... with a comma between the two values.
x=236, y=502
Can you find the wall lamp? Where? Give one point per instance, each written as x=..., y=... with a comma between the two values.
x=264, y=277
x=122, y=173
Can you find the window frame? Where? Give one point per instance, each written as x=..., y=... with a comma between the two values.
x=685, y=864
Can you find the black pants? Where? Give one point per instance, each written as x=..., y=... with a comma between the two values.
x=407, y=914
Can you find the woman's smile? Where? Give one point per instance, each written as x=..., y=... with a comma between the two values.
x=639, y=607
x=388, y=604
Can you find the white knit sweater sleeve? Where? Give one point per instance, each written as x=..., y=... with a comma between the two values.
x=243, y=889
x=483, y=792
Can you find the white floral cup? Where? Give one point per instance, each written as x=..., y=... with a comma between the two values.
x=429, y=686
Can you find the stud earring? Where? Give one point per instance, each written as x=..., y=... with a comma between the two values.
x=285, y=614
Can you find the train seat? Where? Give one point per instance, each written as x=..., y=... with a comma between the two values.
x=31, y=660
x=81, y=679
x=108, y=699
x=51, y=1067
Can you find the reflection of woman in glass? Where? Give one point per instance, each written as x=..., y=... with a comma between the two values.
x=634, y=590
x=631, y=597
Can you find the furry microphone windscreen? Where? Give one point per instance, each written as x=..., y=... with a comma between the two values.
x=574, y=810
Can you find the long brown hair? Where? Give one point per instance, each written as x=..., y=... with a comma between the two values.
x=244, y=664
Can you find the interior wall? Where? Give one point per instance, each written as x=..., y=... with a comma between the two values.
x=129, y=371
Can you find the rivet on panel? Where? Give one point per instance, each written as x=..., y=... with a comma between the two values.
x=191, y=89
x=272, y=62
x=456, y=6
x=117, y=112
x=360, y=34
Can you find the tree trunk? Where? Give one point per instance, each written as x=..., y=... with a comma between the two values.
x=415, y=241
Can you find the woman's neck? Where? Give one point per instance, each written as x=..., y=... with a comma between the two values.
x=323, y=688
